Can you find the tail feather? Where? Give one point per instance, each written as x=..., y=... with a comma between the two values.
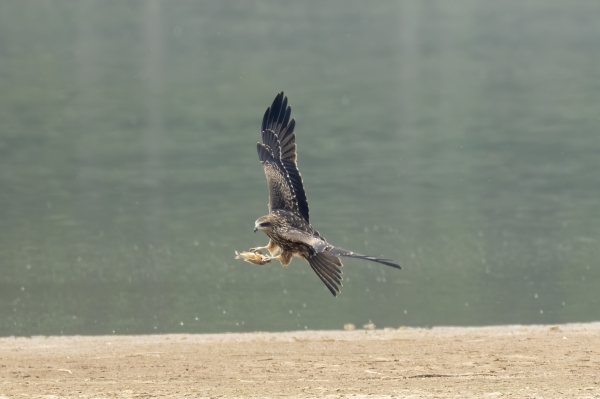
x=327, y=270
x=344, y=252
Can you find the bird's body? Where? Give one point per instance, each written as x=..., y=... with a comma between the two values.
x=282, y=225
x=287, y=224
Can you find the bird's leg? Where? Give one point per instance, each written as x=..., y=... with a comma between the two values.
x=283, y=257
x=271, y=247
x=270, y=258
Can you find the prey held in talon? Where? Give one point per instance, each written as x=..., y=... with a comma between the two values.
x=287, y=224
x=253, y=257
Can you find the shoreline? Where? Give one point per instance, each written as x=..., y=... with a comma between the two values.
x=594, y=325
x=555, y=360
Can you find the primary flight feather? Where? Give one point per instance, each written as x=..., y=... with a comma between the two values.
x=287, y=224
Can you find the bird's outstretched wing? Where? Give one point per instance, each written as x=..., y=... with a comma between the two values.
x=277, y=153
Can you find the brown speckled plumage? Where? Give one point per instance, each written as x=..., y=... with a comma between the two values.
x=287, y=224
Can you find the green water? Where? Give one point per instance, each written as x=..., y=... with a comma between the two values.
x=460, y=138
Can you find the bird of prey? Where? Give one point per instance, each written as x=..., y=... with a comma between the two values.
x=287, y=224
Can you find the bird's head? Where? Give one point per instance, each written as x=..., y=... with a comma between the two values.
x=263, y=223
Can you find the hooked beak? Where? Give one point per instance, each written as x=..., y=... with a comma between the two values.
x=255, y=229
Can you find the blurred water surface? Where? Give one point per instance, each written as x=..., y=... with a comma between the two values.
x=461, y=139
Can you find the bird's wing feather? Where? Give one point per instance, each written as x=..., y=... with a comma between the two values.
x=318, y=243
x=277, y=153
x=298, y=236
x=325, y=266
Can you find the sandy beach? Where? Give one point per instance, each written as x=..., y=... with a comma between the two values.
x=551, y=361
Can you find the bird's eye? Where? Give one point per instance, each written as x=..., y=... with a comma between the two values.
x=265, y=224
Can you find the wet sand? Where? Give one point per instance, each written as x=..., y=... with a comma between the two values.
x=505, y=361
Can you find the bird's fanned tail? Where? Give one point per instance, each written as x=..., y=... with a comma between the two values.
x=350, y=254
x=326, y=267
